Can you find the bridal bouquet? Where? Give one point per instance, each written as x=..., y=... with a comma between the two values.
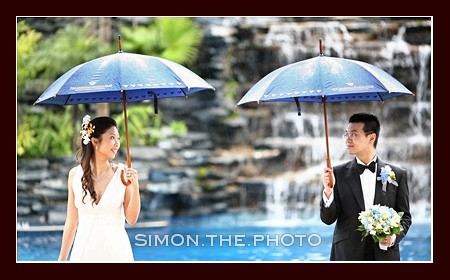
x=379, y=222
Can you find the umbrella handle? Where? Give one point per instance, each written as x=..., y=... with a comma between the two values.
x=122, y=177
x=124, y=102
x=331, y=173
x=326, y=138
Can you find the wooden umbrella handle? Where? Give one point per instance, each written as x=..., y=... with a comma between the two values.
x=326, y=138
x=122, y=174
x=122, y=177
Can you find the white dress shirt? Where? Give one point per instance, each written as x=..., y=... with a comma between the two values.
x=368, y=181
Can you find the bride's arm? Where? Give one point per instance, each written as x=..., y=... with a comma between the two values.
x=132, y=201
x=70, y=226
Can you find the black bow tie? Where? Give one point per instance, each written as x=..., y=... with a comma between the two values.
x=362, y=167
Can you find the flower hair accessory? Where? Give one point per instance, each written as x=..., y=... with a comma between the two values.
x=387, y=176
x=87, y=128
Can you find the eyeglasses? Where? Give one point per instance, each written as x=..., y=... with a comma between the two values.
x=353, y=135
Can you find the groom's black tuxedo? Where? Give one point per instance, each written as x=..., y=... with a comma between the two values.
x=349, y=202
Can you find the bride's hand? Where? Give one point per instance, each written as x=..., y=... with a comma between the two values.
x=131, y=175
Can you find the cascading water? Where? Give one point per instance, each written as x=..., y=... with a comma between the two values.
x=405, y=141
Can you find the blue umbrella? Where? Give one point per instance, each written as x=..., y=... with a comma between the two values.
x=121, y=78
x=325, y=79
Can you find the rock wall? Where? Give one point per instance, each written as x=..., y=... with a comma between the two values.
x=264, y=156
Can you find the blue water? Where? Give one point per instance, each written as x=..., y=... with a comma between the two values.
x=227, y=237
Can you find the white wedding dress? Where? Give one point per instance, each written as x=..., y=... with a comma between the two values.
x=101, y=234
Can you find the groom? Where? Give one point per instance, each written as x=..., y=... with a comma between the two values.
x=356, y=188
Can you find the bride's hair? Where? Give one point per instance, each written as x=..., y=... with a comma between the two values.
x=86, y=154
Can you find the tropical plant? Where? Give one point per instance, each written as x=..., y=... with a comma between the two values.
x=177, y=39
x=69, y=47
x=40, y=62
x=27, y=40
x=45, y=134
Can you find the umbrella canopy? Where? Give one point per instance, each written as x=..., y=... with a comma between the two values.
x=121, y=78
x=102, y=80
x=325, y=79
x=331, y=78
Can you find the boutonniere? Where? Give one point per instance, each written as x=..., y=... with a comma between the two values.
x=387, y=176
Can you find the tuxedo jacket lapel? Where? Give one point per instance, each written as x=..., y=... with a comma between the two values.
x=355, y=183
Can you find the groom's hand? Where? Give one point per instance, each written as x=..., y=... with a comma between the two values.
x=327, y=172
x=388, y=241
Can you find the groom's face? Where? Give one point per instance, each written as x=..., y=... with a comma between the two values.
x=356, y=140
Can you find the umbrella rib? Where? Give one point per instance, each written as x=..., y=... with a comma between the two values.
x=379, y=95
x=183, y=91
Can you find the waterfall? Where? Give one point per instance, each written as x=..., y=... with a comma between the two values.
x=297, y=39
x=420, y=119
x=405, y=142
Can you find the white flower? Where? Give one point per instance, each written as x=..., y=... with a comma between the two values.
x=87, y=128
x=86, y=119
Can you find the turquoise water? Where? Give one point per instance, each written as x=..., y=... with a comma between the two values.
x=227, y=237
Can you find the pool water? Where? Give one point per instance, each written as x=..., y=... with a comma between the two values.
x=227, y=237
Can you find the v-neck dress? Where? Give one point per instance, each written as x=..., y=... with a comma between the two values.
x=101, y=234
